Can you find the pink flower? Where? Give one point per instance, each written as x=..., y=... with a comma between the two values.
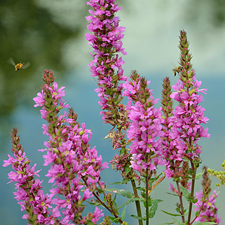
x=145, y=126
x=207, y=209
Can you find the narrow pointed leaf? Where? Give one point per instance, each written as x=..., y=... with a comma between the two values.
x=166, y=223
x=178, y=221
x=199, y=175
x=123, y=213
x=122, y=192
x=138, y=218
x=171, y=214
x=124, y=181
x=131, y=200
x=186, y=193
x=153, y=210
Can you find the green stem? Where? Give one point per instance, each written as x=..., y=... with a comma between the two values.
x=181, y=202
x=146, y=197
x=137, y=203
x=192, y=191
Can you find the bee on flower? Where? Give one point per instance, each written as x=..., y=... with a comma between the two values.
x=177, y=70
x=18, y=66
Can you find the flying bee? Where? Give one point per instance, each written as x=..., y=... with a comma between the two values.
x=177, y=70
x=18, y=66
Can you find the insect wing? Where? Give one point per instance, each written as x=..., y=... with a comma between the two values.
x=26, y=65
x=11, y=61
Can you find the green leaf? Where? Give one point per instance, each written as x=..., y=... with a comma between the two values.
x=123, y=213
x=197, y=213
x=166, y=223
x=171, y=194
x=127, y=169
x=199, y=175
x=131, y=200
x=122, y=151
x=194, y=200
x=124, y=181
x=113, y=219
x=115, y=206
x=153, y=210
x=186, y=193
x=99, y=190
x=140, y=188
x=178, y=221
x=157, y=200
x=171, y=214
x=122, y=192
x=93, y=203
x=138, y=218
x=186, y=211
x=185, y=160
x=90, y=223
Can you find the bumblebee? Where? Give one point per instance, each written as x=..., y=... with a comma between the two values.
x=177, y=70
x=18, y=66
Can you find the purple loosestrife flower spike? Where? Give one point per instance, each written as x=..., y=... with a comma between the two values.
x=206, y=182
x=75, y=167
x=105, y=38
x=29, y=192
x=186, y=120
x=206, y=204
x=167, y=103
x=206, y=208
x=186, y=124
x=145, y=126
x=189, y=114
x=170, y=152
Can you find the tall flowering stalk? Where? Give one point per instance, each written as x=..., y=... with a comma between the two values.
x=205, y=206
x=145, y=125
x=144, y=129
x=75, y=167
x=182, y=149
x=105, y=38
x=29, y=192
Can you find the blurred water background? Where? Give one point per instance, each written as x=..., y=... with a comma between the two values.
x=50, y=35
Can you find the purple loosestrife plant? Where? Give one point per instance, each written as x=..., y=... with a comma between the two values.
x=105, y=38
x=29, y=192
x=183, y=129
x=145, y=127
x=205, y=206
x=145, y=136
x=75, y=166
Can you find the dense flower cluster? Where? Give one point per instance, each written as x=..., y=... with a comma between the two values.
x=145, y=126
x=206, y=208
x=75, y=167
x=105, y=38
x=190, y=108
x=185, y=123
x=70, y=154
x=29, y=192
